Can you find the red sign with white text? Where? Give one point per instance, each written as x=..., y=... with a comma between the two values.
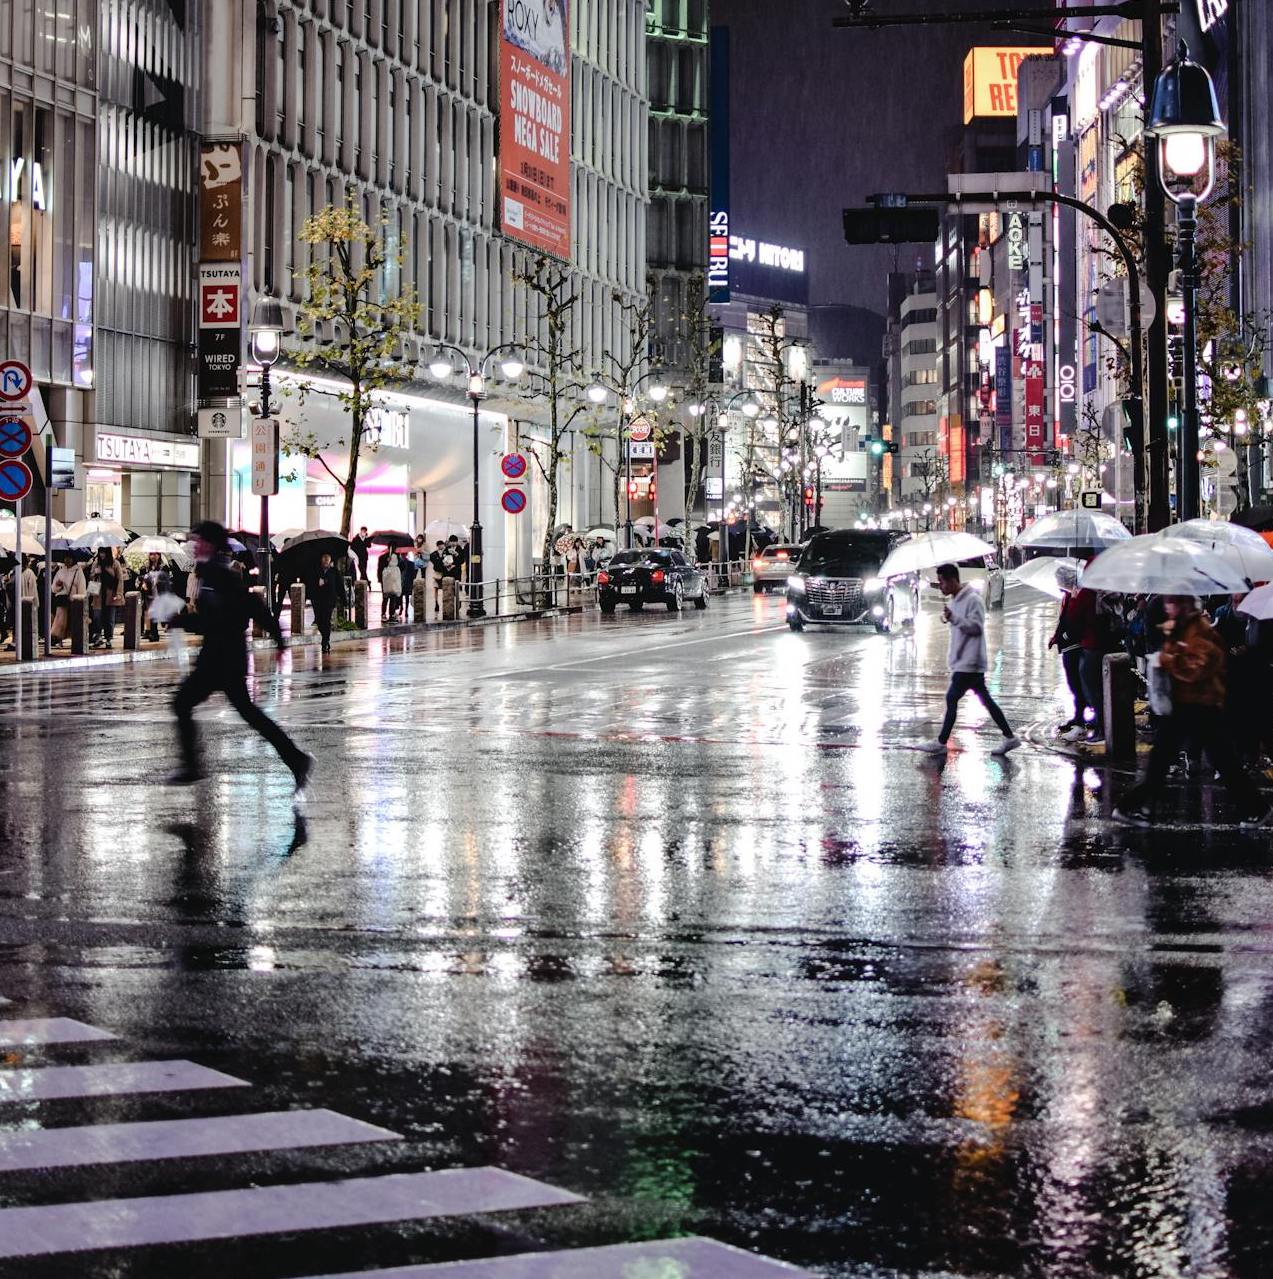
x=1032, y=375
x=534, y=125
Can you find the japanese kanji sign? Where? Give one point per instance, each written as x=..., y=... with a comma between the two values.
x=220, y=271
x=219, y=288
x=264, y=433
x=221, y=202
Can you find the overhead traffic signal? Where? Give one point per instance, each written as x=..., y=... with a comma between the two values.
x=919, y=224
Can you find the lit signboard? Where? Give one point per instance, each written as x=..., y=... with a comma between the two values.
x=990, y=80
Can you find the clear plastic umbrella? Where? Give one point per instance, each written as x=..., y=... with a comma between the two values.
x=1259, y=604
x=1049, y=574
x=111, y=528
x=33, y=526
x=138, y=552
x=9, y=540
x=1241, y=548
x=1072, y=530
x=1155, y=565
x=95, y=541
x=440, y=530
x=927, y=550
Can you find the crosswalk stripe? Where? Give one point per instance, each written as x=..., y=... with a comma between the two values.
x=183, y=1139
x=33, y=1031
x=675, y=1259
x=111, y=1079
x=268, y=1210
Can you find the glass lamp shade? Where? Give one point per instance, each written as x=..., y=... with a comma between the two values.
x=512, y=368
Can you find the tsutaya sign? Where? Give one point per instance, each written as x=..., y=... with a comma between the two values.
x=39, y=198
x=144, y=450
x=742, y=249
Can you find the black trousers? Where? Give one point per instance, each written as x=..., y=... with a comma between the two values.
x=1205, y=726
x=1072, y=661
x=1092, y=672
x=962, y=682
x=208, y=678
x=323, y=620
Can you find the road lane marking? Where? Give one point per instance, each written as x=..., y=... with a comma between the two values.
x=694, y=1258
x=33, y=1031
x=114, y=1079
x=100, y=1144
x=50, y=1230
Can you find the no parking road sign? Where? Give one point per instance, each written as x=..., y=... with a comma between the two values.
x=15, y=480
x=15, y=380
x=514, y=501
x=513, y=466
x=15, y=437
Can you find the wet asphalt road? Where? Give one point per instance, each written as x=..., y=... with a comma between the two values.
x=667, y=912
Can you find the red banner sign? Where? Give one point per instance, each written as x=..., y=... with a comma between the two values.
x=534, y=148
x=1035, y=438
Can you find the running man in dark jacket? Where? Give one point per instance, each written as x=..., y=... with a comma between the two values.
x=225, y=607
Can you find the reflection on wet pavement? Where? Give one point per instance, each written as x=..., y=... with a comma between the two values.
x=668, y=912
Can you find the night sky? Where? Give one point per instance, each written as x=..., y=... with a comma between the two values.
x=821, y=118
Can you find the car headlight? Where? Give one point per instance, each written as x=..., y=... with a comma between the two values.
x=795, y=583
x=874, y=584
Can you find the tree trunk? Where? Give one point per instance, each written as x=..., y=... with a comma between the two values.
x=350, y=485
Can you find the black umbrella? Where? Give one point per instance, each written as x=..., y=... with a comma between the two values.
x=298, y=560
x=391, y=537
x=252, y=541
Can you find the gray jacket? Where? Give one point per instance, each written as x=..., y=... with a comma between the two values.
x=967, y=651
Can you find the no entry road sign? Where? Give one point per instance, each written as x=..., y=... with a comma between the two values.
x=514, y=501
x=15, y=480
x=15, y=380
x=15, y=437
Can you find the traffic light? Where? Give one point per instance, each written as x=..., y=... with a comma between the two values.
x=808, y=494
x=1173, y=424
x=1133, y=424
x=632, y=488
x=918, y=225
x=876, y=446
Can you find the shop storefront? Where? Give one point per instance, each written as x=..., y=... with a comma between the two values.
x=149, y=483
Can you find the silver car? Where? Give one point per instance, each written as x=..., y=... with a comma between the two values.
x=771, y=567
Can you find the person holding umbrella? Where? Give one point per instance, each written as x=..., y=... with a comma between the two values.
x=965, y=613
x=326, y=591
x=225, y=607
x=1193, y=657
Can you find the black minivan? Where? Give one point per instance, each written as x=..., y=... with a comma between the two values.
x=839, y=582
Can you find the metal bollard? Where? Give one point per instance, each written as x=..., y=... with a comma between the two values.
x=419, y=600
x=1118, y=678
x=77, y=615
x=132, y=620
x=30, y=631
x=362, y=591
x=258, y=631
x=296, y=602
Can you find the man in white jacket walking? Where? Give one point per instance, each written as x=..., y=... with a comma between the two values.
x=965, y=612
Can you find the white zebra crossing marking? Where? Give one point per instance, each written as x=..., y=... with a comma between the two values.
x=268, y=1210
x=183, y=1139
x=112, y=1079
x=33, y=1031
x=675, y=1259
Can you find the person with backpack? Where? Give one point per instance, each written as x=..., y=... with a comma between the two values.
x=1193, y=659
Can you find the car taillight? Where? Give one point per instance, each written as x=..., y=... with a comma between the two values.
x=657, y=576
x=782, y=555
x=603, y=578
x=758, y=564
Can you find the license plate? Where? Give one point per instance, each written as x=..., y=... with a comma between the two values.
x=832, y=610
x=627, y=590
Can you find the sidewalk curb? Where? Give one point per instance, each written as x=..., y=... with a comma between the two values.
x=309, y=639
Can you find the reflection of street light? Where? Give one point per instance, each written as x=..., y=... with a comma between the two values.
x=1185, y=119
x=442, y=367
x=265, y=336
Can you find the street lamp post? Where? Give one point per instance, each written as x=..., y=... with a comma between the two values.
x=597, y=394
x=266, y=337
x=750, y=409
x=1185, y=119
x=441, y=367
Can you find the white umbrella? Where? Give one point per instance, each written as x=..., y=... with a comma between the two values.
x=600, y=535
x=1241, y=548
x=9, y=540
x=1068, y=530
x=82, y=528
x=137, y=552
x=1259, y=603
x=440, y=530
x=284, y=535
x=1047, y=572
x=33, y=526
x=1162, y=566
x=927, y=550
x=95, y=541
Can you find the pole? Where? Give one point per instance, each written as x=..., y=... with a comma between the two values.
x=723, y=530
x=1157, y=268
x=476, y=606
x=267, y=565
x=48, y=552
x=17, y=582
x=625, y=444
x=1187, y=466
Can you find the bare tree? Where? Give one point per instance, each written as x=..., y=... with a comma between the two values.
x=349, y=295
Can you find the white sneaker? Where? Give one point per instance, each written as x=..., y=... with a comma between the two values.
x=1074, y=735
x=1008, y=744
x=934, y=747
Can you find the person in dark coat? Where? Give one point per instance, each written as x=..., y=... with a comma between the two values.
x=225, y=607
x=360, y=550
x=326, y=591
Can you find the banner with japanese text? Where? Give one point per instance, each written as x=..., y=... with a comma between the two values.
x=1035, y=434
x=534, y=128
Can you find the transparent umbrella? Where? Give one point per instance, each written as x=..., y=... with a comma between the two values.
x=108, y=528
x=1239, y=547
x=1072, y=530
x=1259, y=604
x=1156, y=565
x=1049, y=574
x=138, y=552
x=33, y=526
x=927, y=550
x=9, y=541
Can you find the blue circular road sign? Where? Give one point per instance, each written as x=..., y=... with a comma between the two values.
x=514, y=501
x=15, y=480
x=15, y=437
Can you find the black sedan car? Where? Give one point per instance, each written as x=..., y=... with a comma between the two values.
x=638, y=578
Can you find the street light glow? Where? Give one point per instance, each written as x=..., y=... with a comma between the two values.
x=597, y=393
x=441, y=369
x=512, y=368
x=659, y=392
x=1185, y=153
x=751, y=409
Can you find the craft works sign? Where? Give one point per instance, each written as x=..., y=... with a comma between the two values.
x=990, y=80
x=534, y=130
x=219, y=292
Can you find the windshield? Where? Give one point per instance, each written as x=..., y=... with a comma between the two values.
x=661, y=558
x=837, y=557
